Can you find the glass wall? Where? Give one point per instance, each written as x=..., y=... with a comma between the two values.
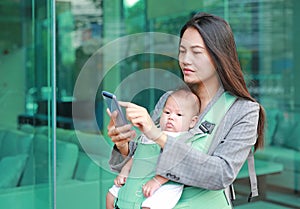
x=57, y=56
x=27, y=159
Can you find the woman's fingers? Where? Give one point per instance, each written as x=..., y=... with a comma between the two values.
x=111, y=121
x=128, y=105
x=133, y=110
x=122, y=133
x=113, y=131
x=137, y=115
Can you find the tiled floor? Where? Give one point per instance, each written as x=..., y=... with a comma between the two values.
x=276, y=198
x=261, y=205
x=283, y=198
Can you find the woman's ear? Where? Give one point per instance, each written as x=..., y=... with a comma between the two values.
x=193, y=121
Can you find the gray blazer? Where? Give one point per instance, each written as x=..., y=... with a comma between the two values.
x=233, y=140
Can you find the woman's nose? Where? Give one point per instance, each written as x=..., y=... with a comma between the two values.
x=185, y=59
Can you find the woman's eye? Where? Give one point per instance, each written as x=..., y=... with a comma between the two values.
x=181, y=51
x=197, y=52
x=167, y=112
x=179, y=114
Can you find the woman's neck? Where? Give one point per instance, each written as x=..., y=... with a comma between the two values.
x=206, y=93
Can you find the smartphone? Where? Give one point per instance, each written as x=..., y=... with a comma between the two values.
x=113, y=105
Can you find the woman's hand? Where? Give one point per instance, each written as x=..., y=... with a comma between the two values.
x=119, y=135
x=140, y=118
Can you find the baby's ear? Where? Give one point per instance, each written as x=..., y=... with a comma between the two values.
x=194, y=121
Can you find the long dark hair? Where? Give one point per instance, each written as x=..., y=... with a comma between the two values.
x=218, y=38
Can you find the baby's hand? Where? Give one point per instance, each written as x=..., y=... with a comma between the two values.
x=120, y=180
x=150, y=187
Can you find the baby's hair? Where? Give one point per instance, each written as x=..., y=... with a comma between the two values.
x=188, y=92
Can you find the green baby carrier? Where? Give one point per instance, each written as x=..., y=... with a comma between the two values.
x=146, y=155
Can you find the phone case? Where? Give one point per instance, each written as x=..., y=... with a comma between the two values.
x=113, y=105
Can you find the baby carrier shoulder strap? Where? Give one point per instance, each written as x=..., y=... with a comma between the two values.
x=252, y=176
x=229, y=191
x=210, y=122
x=216, y=114
x=207, y=126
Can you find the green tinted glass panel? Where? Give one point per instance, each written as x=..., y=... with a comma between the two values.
x=56, y=140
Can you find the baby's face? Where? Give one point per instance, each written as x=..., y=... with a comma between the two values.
x=177, y=115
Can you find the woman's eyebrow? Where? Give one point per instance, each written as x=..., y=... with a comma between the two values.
x=197, y=46
x=194, y=46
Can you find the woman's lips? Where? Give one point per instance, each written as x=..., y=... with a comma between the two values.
x=187, y=71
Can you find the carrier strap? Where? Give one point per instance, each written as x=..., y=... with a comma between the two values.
x=229, y=191
x=210, y=122
x=207, y=128
x=252, y=176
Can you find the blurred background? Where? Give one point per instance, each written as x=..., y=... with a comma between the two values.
x=53, y=145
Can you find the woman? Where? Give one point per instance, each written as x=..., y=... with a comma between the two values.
x=210, y=67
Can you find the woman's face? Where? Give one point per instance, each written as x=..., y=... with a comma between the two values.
x=194, y=60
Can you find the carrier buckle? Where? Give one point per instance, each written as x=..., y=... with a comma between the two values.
x=207, y=127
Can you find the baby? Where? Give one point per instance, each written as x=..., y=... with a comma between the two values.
x=180, y=113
